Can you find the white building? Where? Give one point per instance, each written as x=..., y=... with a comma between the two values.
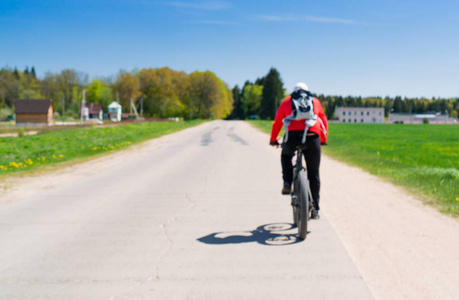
x=114, y=111
x=360, y=114
x=419, y=118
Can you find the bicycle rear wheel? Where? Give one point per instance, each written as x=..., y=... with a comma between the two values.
x=303, y=197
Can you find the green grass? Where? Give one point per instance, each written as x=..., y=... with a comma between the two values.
x=422, y=158
x=32, y=152
x=265, y=126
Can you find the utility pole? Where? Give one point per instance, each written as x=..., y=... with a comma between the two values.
x=63, y=108
x=141, y=107
x=411, y=115
x=133, y=108
x=83, y=108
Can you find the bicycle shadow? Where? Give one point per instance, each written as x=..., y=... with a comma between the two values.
x=270, y=234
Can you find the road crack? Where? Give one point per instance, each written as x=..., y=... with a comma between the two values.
x=163, y=227
x=168, y=248
x=165, y=252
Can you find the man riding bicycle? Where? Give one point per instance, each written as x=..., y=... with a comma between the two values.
x=312, y=131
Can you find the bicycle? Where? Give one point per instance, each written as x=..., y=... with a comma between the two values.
x=302, y=204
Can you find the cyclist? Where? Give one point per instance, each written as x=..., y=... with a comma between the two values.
x=315, y=135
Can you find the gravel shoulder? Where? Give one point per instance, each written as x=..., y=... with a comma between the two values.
x=403, y=248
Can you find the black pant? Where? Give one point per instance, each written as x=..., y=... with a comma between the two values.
x=311, y=154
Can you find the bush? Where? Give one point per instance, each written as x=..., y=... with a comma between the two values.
x=21, y=132
x=425, y=121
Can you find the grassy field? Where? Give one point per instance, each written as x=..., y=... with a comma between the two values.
x=422, y=158
x=32, y=152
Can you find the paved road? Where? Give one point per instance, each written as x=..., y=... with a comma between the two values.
x=195, y=215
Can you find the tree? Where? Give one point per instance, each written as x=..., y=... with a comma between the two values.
x=251, y=99
x=127, y=86
x=204, y=89
x=208, y=96
x=223, y=103
x=9, y=87
x=98, y=92
x=164, y=91
x=68, y=83
x=388, y=106
x=50, y=89
x=273, y=92
x=16, y=73
x=237, y=113
x=398, y=104
x=93, y=92
x=32, y=72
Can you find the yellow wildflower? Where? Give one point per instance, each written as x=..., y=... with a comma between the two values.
x=61, y=155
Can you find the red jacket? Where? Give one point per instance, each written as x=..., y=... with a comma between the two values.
x=285, y=110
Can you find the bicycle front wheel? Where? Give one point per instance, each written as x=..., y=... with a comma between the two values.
x=303, y=189
x=295, y=207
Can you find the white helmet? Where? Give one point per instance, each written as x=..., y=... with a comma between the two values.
x=300, y=86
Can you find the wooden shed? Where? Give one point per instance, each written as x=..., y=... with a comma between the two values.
x=34, y=111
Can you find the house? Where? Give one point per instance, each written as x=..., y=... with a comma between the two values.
x=360, y=114
x=114, y=111
x=92, y=111
x=34, y=111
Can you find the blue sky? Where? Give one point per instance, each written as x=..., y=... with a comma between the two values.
x=353, y=47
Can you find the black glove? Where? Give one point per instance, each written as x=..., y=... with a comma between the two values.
x=275, y=143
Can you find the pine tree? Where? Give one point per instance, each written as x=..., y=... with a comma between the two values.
x=32, y=72
x=273, y=91
x=16, y=73
x=398, y=104
x=237, y=113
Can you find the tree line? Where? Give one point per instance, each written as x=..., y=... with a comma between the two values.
x=164, y=92
x=392, y=105
x=260, y=99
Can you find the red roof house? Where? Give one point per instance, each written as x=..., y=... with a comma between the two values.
x=94, y=111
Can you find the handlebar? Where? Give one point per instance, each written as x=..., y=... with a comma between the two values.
x=277, y=144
